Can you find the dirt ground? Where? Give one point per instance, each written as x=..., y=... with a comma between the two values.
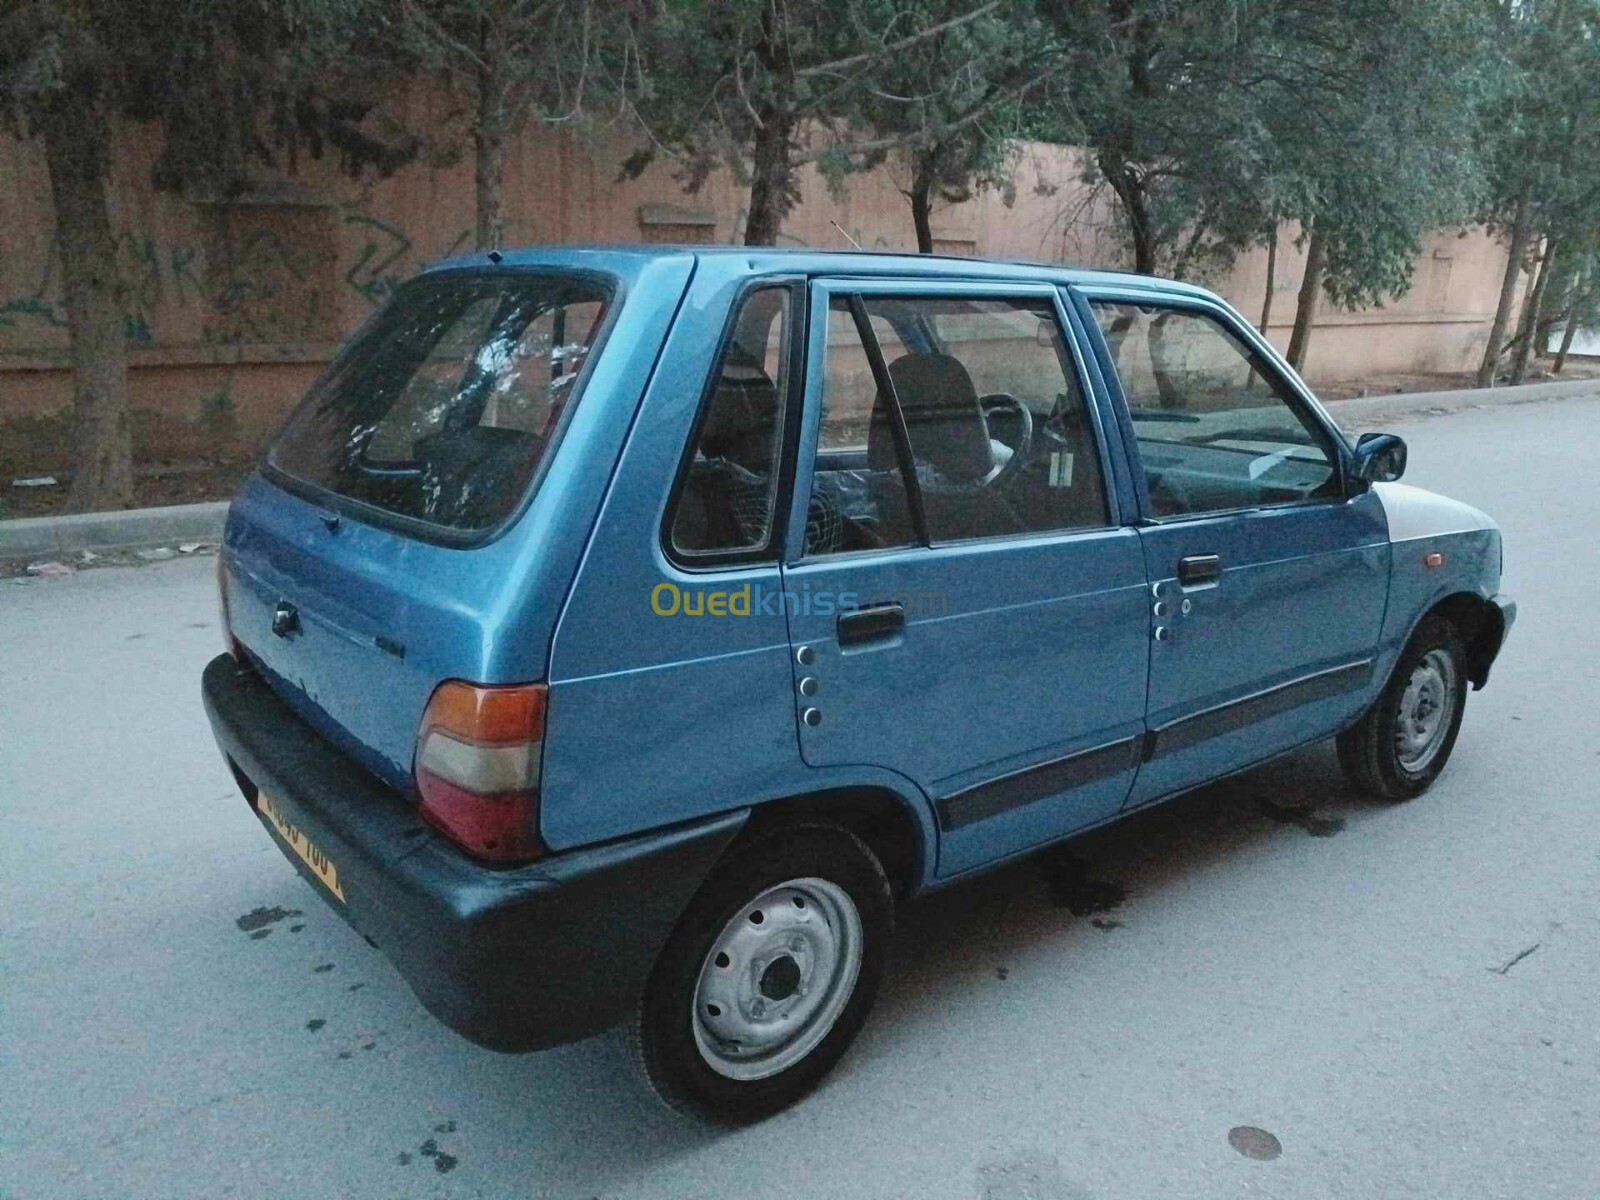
x=179, y=462
x=175, y=462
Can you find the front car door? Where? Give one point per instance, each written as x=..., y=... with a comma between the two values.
x=965, y=605
x=1269, y=568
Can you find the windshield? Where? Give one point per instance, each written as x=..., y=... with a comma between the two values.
x=444, y=406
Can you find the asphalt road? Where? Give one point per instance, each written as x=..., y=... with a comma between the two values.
x=180, y=1017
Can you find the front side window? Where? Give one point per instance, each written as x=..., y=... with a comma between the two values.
x=445, y=405
x=727, y=498
x=1217, y=428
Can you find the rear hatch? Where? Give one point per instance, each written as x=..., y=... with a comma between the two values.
x=379, y=550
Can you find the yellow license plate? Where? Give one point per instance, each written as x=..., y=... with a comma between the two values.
x=321, y=865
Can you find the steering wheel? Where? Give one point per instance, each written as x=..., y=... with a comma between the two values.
x=1008, y=410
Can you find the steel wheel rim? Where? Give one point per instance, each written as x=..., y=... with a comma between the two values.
x=776, y=979
x=1427, y=709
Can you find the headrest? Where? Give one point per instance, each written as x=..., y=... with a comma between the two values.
x=739, y=427
x=942, y=416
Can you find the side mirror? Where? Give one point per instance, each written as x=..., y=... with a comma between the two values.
x=1380, y=457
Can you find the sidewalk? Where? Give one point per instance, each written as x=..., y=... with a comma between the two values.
x=1363, y=413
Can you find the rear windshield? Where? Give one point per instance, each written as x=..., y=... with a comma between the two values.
x=444, y=406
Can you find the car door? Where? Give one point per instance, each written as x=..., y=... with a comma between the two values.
x=1269, y=569
x=965, y=605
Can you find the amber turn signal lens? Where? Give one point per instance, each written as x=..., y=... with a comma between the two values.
x=479, y=753
x=486, y=714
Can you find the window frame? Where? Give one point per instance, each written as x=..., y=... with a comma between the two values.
x=415, y=528
x=854, y=291
x=1299, y=398
x=789, y=412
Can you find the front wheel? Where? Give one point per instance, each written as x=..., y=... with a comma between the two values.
x=1402, y=743
x=768, y=977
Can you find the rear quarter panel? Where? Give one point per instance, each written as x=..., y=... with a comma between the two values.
x=657, y=719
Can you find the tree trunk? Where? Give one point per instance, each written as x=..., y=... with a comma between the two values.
x=1508, y=290
x=1567, y=335
x=1129, y=188
x=1306, y=309
x=488, y=179
x=489, y=132
x=771, y=180
x=1272, y=273
x=1529, y=331
x=77, y=156
x=921, y=196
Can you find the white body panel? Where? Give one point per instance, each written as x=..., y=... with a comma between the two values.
x=1414, y=512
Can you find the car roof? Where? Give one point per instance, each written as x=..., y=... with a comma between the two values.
x=629, y=260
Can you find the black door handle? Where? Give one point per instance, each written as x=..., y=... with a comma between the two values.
x=1199, y=568
x=870, y=624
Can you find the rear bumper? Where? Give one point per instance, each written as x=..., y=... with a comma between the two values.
x=514, y=959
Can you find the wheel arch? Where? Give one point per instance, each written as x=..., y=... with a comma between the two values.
x=1482, y=627
x=889, y=823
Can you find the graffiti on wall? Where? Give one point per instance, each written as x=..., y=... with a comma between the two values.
x=153, y=276
x=383, y=258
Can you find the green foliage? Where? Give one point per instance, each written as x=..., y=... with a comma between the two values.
x=1540, y=139
x=958, y=101
x=1213, y=121
x=232, y=85
x=764, y=87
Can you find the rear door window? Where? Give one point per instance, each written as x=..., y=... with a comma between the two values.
x=996, y=426
x=444, y=407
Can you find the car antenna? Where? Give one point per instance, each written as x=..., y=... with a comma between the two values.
x=847, y=237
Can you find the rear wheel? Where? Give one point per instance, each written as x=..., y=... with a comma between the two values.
x=768, y=977
x=1402, y=743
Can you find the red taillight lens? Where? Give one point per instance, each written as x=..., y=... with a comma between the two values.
x=478, y=756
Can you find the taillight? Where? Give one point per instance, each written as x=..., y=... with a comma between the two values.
x=228, y=640
x=477, y=770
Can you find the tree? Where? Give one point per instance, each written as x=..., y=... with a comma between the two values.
x=1214, y=122
x=765, y=87
x=226, y=82
x=1541, y=147
x=959, y=100
x=519, y=62
x=1577, y=296
x=1166, y=97
x=1380, y=165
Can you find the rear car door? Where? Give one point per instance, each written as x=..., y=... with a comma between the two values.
x=1269, y=572
x=965, y=605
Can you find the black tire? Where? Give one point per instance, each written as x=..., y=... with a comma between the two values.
x=663, y=1034
x=1370, y=752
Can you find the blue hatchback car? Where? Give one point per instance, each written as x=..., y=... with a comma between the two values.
x=617, y=636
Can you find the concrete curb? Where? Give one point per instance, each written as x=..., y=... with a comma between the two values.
x=39, y=537
x=1358, y=414
x=35, y=537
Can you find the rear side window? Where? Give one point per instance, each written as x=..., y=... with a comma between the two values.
x=726, y=501
x=444, y=407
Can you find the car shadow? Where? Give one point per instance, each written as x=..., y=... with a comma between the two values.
x=1085, y=886
x=583, y=1103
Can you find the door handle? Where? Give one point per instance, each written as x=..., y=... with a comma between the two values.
x=871, y=624
x=1199, y=568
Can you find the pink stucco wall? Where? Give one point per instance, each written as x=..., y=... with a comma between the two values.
x=241, y=303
